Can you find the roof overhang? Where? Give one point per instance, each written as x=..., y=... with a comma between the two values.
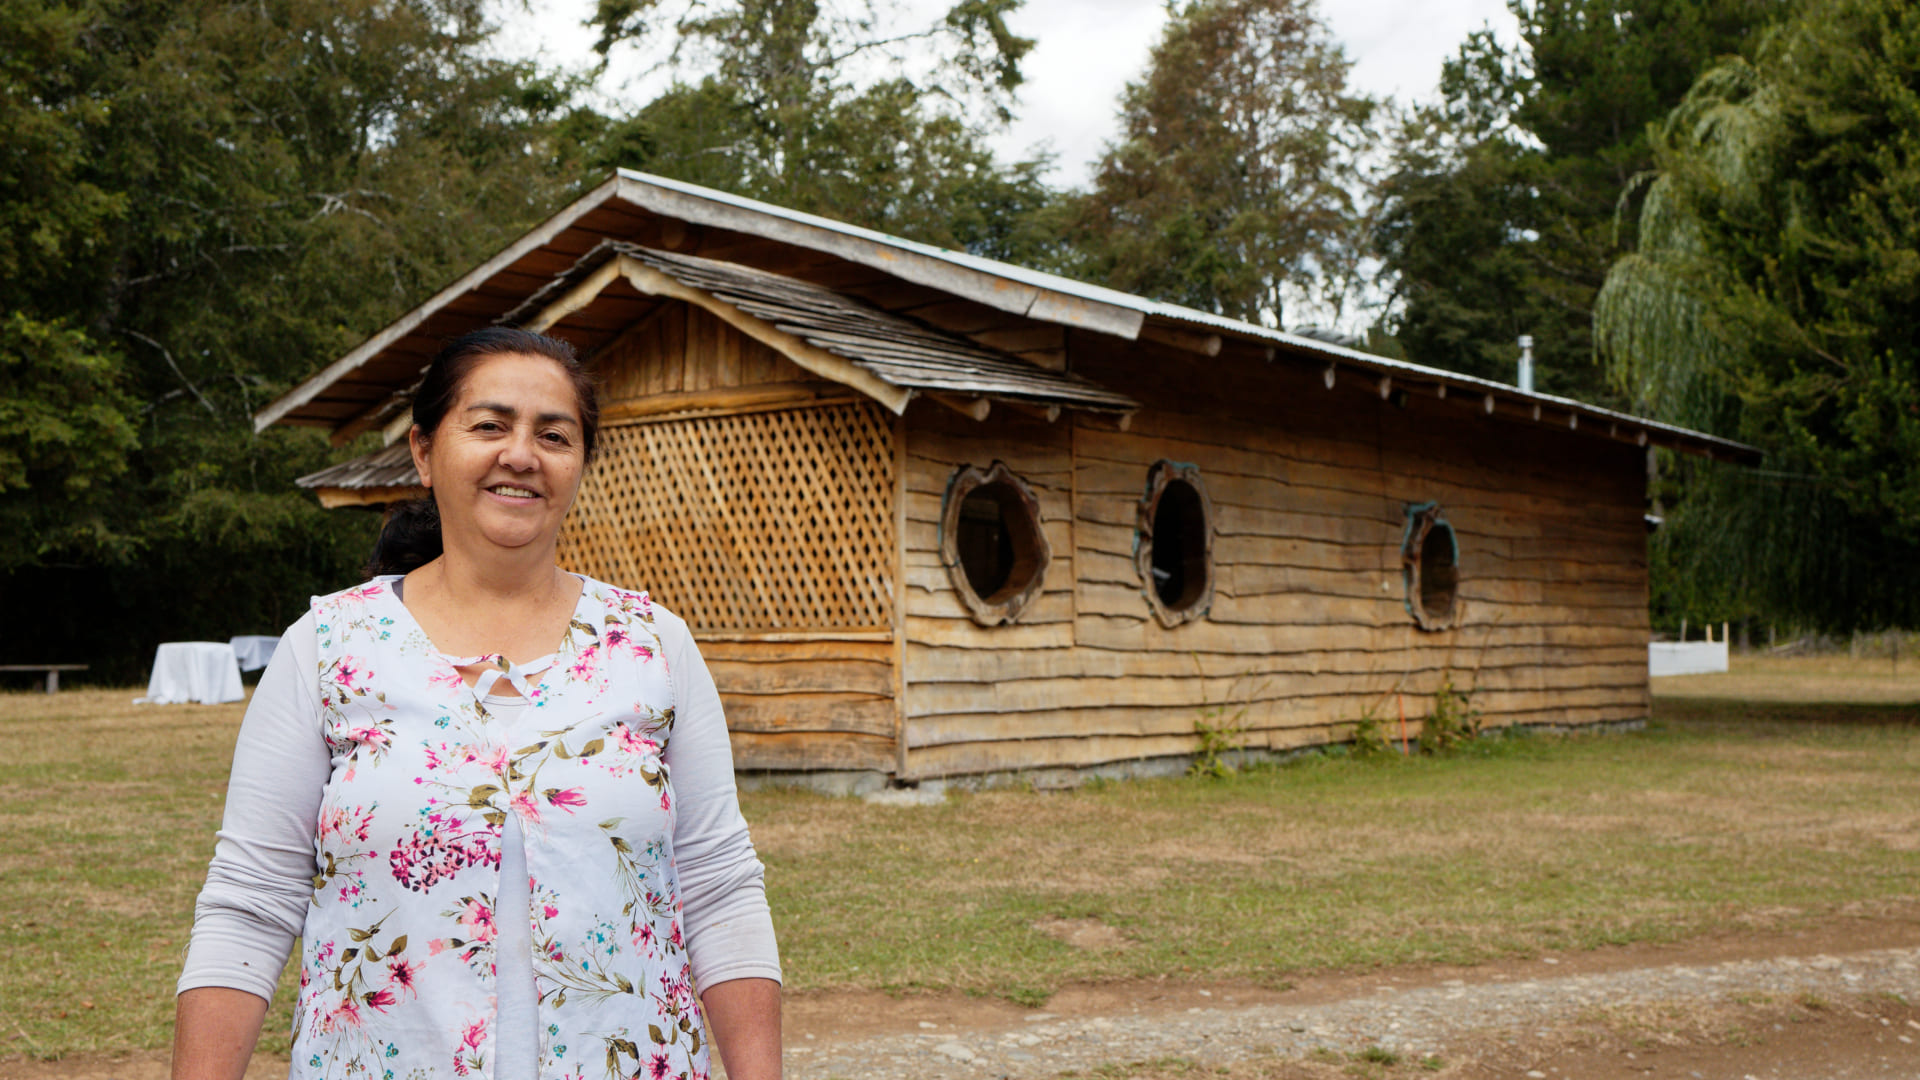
x=664, y=213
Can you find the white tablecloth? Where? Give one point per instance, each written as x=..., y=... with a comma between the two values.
x=1686, y=657
x=202, y=671
x=253, y=650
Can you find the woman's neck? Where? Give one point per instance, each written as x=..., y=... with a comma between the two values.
x=477, y=611
x=495, y=578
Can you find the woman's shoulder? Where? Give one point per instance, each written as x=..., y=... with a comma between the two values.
x=634, y=604
x=371, y=589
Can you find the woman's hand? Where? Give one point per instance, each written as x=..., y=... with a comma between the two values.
x=214, y=1029
x=743, y=1019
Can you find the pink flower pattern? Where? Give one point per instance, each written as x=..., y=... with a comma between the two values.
x=408, y=850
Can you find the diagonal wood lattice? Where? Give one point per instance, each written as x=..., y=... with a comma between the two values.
x=759, y=521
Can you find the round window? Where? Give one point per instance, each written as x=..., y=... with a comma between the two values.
x=1174, y=546
x=1430, y=564
x=991, y=541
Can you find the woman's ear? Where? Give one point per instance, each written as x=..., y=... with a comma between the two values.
x=417, y=442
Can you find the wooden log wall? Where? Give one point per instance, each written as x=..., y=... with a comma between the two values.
x=1308, y=628
x=807, y=681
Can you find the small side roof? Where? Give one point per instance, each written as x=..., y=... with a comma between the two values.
x=658, y=212
x=903, y=355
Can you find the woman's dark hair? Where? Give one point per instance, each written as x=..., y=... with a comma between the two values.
x=410, y=537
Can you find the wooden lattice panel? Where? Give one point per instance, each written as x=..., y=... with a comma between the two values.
x=758, y=521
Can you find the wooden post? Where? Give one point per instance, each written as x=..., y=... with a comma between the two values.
x=975, y=408
x=900, y=597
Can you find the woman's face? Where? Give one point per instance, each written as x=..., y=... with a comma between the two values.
x=506, y=460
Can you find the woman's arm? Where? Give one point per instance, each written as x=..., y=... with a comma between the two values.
x=743, y=1017
x=260, y=881
x=729, y=930
x=214, y=1029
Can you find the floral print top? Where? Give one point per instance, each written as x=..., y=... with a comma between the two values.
x=397, y=958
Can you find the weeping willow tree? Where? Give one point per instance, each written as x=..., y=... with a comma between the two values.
x=1773, y=296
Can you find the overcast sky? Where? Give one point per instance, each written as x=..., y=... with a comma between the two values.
x=1087, y=51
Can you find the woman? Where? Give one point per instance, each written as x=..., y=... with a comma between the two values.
x=493, y=799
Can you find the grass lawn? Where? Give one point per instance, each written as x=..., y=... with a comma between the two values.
x=1801, y=801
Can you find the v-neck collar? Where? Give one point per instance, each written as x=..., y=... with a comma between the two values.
x=495, y=666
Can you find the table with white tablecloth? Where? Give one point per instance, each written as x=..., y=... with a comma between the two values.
x=254, y=651
x=206, y=672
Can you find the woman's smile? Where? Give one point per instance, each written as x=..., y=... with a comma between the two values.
x=506, y=462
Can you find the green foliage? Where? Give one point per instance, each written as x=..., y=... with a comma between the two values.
x=767, y=109
x=204, y=203
x=1220, y=728
x=1451, y=723
x=1370, y=734
x=1498, y=216
x=65, y=428
x=1772, y=297
x=1219, y=735
x=1231, y=186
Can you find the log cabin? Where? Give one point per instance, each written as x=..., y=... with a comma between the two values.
x=933, y=516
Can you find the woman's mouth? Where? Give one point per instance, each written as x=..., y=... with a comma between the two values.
x=513, y=492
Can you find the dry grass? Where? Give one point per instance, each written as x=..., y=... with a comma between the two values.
x=107, y=816
x=1826, y=678
x=1720, y=813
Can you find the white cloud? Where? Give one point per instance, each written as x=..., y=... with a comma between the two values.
x=1086, y=52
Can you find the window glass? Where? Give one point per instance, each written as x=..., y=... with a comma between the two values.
x=1430, y=562
x=992, y=542
x=1175, y=543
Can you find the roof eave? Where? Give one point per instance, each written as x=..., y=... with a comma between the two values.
x=466, y=283
x=1680, y=438
x=1017, y=290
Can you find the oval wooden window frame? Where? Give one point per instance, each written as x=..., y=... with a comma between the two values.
x=1159, y=475
x=1422, y=519
x=1008, y=602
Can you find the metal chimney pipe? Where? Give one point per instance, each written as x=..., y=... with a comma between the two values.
x=1526, y=362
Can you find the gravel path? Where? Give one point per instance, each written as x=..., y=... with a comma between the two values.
x=1411, y=1022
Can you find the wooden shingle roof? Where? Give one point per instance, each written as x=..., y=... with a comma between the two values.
x=900, y=351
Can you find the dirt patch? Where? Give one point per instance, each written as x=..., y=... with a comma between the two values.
x=1082, y=933
x=1871, y=1037
x=1724, y=1031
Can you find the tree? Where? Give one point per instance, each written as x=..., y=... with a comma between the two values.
x=765, y=106
x=1773, y=296
x=204, y=202
x=1232, y=185
x=1498, y=214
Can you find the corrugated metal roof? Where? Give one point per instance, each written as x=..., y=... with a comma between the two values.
x=346, y=388
x=1175, y=313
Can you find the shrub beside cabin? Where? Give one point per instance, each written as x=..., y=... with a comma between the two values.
x=931, y=515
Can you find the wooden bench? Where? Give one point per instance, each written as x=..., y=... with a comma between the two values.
x=53, y=672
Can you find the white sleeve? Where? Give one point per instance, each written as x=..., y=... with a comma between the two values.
x=260, y=882
x=723, y=896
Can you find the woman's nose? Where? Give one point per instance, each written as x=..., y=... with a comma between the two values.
x=518, y=453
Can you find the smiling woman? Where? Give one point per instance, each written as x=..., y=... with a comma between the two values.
x=493, y=799
x=516, y=371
